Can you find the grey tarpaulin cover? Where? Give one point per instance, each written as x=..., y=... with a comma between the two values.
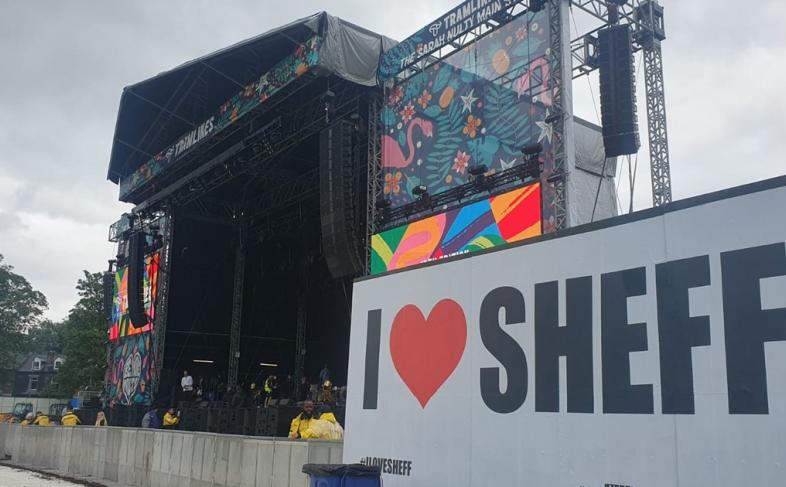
x=587, y=176
x=353, y=470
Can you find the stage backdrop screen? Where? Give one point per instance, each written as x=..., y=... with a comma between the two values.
x=647, y=351
x=121, y=322
x=480, y=105
x=509, y=217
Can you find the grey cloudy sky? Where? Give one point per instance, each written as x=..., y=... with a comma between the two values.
x=63, y=65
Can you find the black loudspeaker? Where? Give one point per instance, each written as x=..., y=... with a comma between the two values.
x=339, y=200
x=618, y=91
x=109, y=294
x=136, y=275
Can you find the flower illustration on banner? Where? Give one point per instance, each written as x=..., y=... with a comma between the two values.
x=472, y=126
x=249, y=90
x=521, y=33
x=424, y=99
x=396, y=95
x=461, y=162
x=392, y=183
x=407, y=113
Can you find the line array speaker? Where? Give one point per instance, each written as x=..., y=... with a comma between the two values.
x=136, y=274
x=339, y=199
x=109, y=294
x=618, y=91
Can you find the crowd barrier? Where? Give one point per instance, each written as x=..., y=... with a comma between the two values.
x=160, y=458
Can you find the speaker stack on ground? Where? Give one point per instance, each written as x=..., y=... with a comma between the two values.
x=339, y=199
x=618, y=91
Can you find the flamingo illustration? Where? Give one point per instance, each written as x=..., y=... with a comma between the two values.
x=392, y=153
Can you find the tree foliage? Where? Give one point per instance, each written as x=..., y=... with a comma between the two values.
x=21, y=308
x=84, y=340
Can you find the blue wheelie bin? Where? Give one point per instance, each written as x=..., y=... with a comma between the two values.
x=342, y=475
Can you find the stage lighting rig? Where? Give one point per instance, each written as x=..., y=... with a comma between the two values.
x=532, y=167
x=478, y=170
x=423, y=196
x=383, y=205
x=532, y=150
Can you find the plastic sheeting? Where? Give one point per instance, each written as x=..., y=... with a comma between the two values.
x=589, y=179
x=340, y=470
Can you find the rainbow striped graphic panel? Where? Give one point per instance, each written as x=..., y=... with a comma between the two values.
x=502, y=219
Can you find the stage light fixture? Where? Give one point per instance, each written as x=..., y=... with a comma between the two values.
x=536, y=5
x=478, y=170
x=382, y=203
x=420, y=191
x=552, y=119
x=533, y=149
x=266, y=364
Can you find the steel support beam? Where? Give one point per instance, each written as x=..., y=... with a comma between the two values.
x=374, y=175
x=300, y=337
x=162, y=299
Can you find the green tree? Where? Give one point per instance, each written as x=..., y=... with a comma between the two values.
x=84, y=340
x=47, y=336
x=21, y=308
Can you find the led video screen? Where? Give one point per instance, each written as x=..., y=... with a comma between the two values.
x=121, y=322
x=509, y=217
x=479, y=106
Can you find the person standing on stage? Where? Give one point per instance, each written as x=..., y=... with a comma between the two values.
x=187, y=385
x=324, y=375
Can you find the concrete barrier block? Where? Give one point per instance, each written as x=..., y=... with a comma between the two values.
x=266, y=450
x=209, y=459
x=186, y=456
x=248, y=473
x=222, y=460
x=281, y=458
x=297, y=458
x=235, y=464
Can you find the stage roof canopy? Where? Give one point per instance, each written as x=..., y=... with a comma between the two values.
x=154, y=113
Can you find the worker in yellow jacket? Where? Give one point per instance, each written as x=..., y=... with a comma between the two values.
x=28, y=419
x=171, y=419
x=69, y=418
x=324, y=428
x=41, y=419
x=302, y=421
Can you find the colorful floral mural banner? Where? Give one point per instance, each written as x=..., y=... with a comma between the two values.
x=131, y=369
x=290, y=68
x=479, y=106
x=509, y=217
x=121, y=322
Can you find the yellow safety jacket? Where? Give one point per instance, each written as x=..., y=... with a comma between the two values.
x=70, y=419
x=324, y=428
x=42, y=420
x=299, y=425
x=170, y=419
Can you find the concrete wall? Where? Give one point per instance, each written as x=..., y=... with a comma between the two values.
x=156, y=458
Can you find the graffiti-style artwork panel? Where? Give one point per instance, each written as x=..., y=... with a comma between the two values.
x=479, y=106
x=509, y=217
x=131, y=369
x=121, y=322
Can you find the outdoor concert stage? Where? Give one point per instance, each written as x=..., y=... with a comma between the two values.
x=270, y=174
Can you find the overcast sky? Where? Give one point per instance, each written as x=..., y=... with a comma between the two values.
x=63, y=65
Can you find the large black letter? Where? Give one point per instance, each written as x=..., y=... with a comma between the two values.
x=748, y=326
x=678, y=333
x=618, y=339
x=505, y=349
x=574, y=341
x=371, y=379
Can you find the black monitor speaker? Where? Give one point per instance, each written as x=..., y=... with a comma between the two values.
x=618, y=91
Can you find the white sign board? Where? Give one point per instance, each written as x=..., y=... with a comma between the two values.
x=647, y=351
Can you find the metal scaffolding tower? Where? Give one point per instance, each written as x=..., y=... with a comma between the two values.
x=646, y=20
x=650, y=15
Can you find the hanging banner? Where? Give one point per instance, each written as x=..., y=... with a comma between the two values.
x=439, y=33
x=644, y=351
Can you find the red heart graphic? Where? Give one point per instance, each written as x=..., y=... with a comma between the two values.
x=426, y=351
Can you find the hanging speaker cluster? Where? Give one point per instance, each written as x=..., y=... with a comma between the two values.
x=136, y=275
x=338, y=199
x=618, y=91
